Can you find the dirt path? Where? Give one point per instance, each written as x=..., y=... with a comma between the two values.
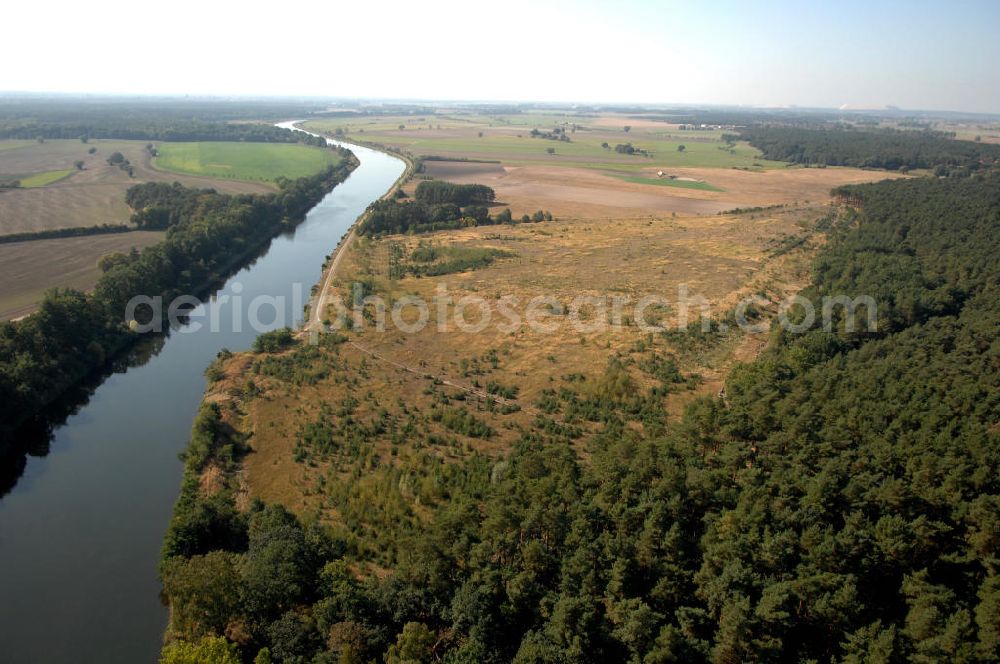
x=319, y=304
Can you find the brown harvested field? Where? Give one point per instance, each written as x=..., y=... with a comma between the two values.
x=28, y=269
x=93, y=196
x=585, y=193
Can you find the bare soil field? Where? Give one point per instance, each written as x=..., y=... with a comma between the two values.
x=619, y=121
x=28, y=269
x=90, y=197
x=584, y=193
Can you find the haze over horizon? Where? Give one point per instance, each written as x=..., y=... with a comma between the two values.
x=912, y=55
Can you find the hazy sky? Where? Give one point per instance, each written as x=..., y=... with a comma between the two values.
x=913, y=54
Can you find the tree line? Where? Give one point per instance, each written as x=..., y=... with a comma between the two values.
x=160, y=119
x=891, y=149
x=75, y=231
x=147, y=130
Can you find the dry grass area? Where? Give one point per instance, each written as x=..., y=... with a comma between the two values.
x=93, y=196
x=612, y=239
x=28, y=269
x=719, y=258
x=411, y=374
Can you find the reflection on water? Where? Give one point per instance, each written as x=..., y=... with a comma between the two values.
x=34, y=437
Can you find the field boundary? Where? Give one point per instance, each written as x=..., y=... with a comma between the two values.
x=80, y=231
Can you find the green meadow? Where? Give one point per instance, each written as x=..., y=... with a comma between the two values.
x=45, y=178
x=683, y=184
x=244, y=161
x=508, y=140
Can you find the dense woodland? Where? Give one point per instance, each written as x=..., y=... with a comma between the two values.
x=891, y=149
x=439, y=191
x=160, y=120
x=439, y=205
x=841, y=503
x=208, y=234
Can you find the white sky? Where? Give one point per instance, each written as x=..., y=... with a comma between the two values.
x=774, y=53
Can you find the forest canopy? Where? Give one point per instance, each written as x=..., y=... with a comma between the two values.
x=891, y=149
x=152, y=120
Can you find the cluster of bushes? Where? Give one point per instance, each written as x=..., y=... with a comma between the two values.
x=508, y=392
x=306, y=366
x=628, y=148
x=756, y=208
x=274, y=341
x=557, y=134
x=428, y=260
x=119, y=160
x=74, y=333
x=460, y=420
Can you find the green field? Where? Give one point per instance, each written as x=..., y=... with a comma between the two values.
x=507, y=139
x=683, y=184
x=45, y=178
x=244, y=161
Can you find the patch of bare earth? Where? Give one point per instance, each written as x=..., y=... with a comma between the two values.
x=585, y=193
x=28, y=269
